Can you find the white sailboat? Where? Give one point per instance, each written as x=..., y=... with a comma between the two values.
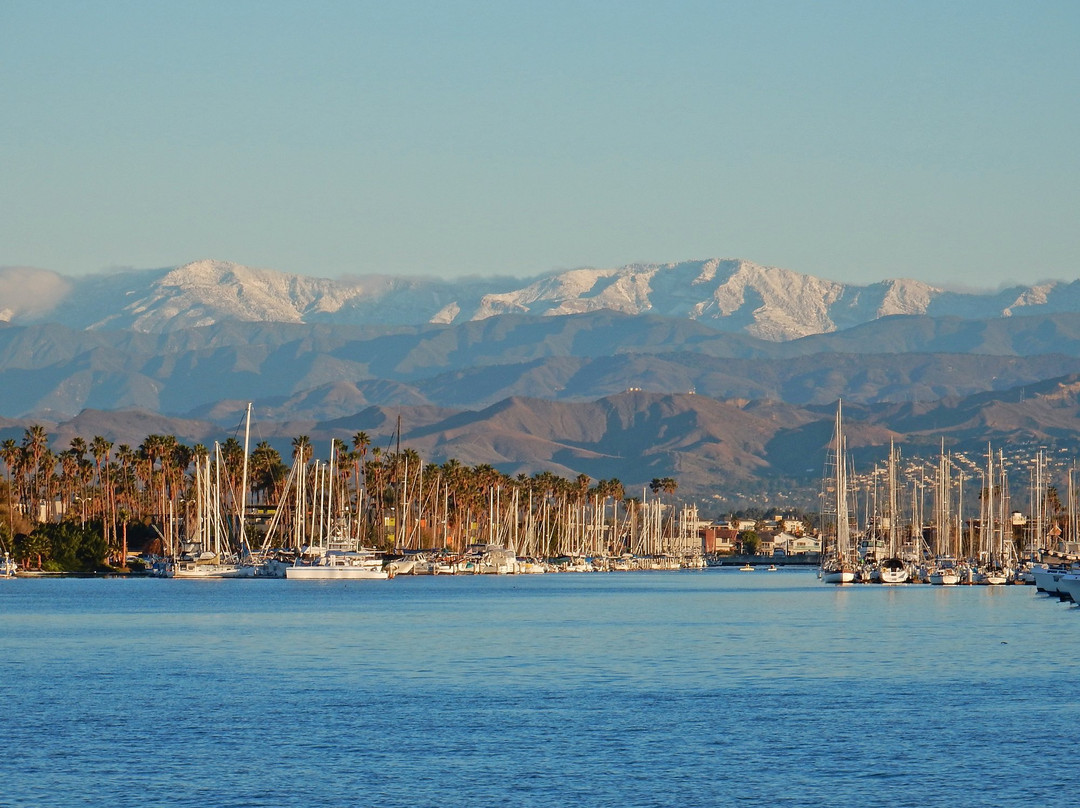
x=209, y=554
x=838, y=564
x=945, y=572
x=339, y=565
x=994, y=572
x=892, y=570
x=337, y=555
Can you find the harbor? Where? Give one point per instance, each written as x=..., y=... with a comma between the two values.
x=232, y=511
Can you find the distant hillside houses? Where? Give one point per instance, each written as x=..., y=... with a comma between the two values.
x=777, y=535
x=773, y=524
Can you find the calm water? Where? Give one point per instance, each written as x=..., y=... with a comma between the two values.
x=643, y=689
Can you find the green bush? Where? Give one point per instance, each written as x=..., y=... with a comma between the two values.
x=65, y=547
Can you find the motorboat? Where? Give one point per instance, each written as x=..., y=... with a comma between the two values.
x=339, y=565
x=1069, y=587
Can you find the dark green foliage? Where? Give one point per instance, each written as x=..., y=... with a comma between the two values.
x=63, y=547
x=31, y=549
x=750, y=542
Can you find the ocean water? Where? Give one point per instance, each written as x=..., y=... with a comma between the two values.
x=633, y=689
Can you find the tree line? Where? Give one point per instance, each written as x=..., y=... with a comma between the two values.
x=77, y=508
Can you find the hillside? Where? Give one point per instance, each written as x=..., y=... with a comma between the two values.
x=723, y=453
x=322, y=372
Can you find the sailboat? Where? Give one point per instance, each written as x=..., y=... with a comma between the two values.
x=208, y=553
x=838, y=563
x=336, y=555
x=945, y=572
x=994, y=572
x=892, y=570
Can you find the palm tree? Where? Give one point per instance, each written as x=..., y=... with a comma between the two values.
x=374, y=475
x=267, y=471
x=69, y=475
x=125, y=500
x=301, y=445
x=47, y=472
x=150, y=451
x=406, y=492
x=78, y=447
x=669, y=486
x=77, y=471
x=99, y=450
x=1053, y=504
x=361, y=441
x=35, y=443
x=12, y=456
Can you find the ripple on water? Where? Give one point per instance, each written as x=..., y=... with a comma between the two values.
x=652, y=689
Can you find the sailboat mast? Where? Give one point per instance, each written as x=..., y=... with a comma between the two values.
x=1003, y=504
x=1071, y=535
x=217, y=497
x=843, y=526
x=330, y=492
x=990, y=512
x=244, y=483
x=960, y=517
x=894, y=503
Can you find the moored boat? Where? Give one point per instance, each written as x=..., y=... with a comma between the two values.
x=838, y=576
x=893, y=571
x=944, y=576
x=207, y=566
x=1047, y=577
x=838, y=561
x=339, y=565
x=1068, y=587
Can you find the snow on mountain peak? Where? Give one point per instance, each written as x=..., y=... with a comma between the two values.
x=729, y=294
x=906, y=297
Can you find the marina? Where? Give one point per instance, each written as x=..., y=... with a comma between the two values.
x=233, y=512
x=895, y=543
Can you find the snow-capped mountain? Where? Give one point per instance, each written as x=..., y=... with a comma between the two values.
x=728, y=294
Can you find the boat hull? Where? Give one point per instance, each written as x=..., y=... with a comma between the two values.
x=207, y=571
x=1047, y=580
x=1068, y=587
x=944, y=578
x=317, y=573
x=838, y=576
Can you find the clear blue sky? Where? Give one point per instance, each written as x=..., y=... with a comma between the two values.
x=851, y=140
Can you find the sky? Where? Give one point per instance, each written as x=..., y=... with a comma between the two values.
x=855, y=141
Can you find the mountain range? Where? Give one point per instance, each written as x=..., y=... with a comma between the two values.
x=730, y=295
x=722, y=373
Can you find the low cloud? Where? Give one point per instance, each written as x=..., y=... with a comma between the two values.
x=30, y=292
